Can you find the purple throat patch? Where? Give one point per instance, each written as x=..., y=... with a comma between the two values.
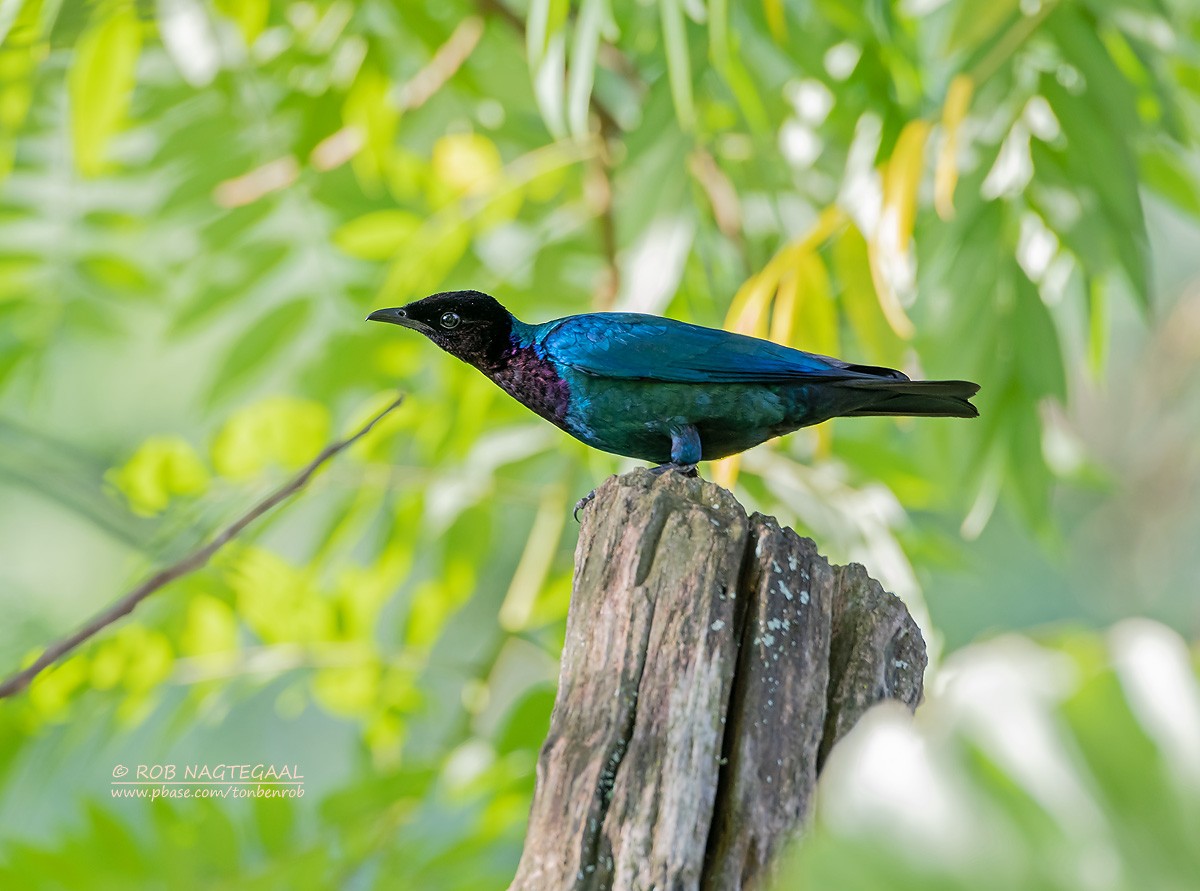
x=532, y=380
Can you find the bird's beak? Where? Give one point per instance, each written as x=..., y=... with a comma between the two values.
x=398, y=316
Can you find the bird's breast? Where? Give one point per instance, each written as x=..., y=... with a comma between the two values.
x=532, y=381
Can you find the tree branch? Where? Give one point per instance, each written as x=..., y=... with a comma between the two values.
x=189, y=564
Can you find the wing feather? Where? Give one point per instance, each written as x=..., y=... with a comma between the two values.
x=631, y=346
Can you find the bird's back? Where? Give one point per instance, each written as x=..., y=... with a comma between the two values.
x=631, y=346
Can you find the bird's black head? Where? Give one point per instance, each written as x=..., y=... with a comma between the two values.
x=468, y=324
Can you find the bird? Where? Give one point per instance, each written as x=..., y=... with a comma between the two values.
x=665, y=391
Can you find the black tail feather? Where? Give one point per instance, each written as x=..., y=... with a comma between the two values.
x=933, y=399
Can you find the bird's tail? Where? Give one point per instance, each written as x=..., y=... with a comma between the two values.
x=932, y=399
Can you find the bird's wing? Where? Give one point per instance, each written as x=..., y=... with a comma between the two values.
x=641, y=347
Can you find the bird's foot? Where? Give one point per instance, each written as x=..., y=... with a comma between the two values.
x=582, y=503
x=688, y=470
x=685, y=469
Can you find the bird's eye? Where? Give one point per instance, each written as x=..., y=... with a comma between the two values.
x=450, y=320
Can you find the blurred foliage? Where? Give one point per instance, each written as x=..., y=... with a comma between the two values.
x=1087, y=778
x=199, y=202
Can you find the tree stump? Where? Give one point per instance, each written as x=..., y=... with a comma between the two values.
x=711, y=661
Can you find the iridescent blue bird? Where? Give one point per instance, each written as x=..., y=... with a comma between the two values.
x=661, y=390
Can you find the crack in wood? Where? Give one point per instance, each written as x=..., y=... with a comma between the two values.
x=596, y=860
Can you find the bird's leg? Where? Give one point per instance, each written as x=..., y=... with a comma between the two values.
x=685, y=455
x=685, y=451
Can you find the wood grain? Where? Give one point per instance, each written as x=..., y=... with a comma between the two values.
x=711, y=661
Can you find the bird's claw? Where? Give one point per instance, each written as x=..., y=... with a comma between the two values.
x=582, y=503
x=688, y=470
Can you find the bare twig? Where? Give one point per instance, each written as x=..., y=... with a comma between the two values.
x=189, y=564
x=598, y=195
x=721, y=194
x=450, y=57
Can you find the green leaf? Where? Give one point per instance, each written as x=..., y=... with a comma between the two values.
x=1105, y=87
x=249, y=15
x=216, y=292
x=1030, y=475
x=1039, y=359
x=722, y=52
x=525, y=725
x=1098, y=158
x=1165, y=173
x=583, y=65
x=59, y=472
x=378, y=235
x=262, y=340
x=370, y=109
x=100, y=85
x=9, y=10
x=977, y=21
x=679, y=64
x=429, y=256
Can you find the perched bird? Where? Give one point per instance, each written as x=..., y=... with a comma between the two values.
x=661, y=390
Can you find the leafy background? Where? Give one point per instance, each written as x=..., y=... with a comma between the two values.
x=200, y=200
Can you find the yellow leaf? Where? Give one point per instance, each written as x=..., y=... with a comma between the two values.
x=384, y=735
x=434, y=602
x=776, y=20
x=50, y=692
x=902, y=176
x=278, y=430
x=467, y=163
x=783, y=316
x=725, y=471
x=432, y=253
x=161, y=467
x=954, y=112
x=249, y=15
x=100, y=84
x=830, y=220
x=816, y=318
x=362, y=591
x=748, y=311
x=889, y=246
x=889, y=301
x=211, y=627
x=108, y=665
x=860, y=303
x=149, y=661
x=347, y=690
x=277, y=601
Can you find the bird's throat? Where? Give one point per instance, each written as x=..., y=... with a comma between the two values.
x=532, y=380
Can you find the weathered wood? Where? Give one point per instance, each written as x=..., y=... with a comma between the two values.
x=711, y=660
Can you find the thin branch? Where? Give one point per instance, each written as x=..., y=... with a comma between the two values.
x=189, y=564
x=598, y=194
x=446, y=61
